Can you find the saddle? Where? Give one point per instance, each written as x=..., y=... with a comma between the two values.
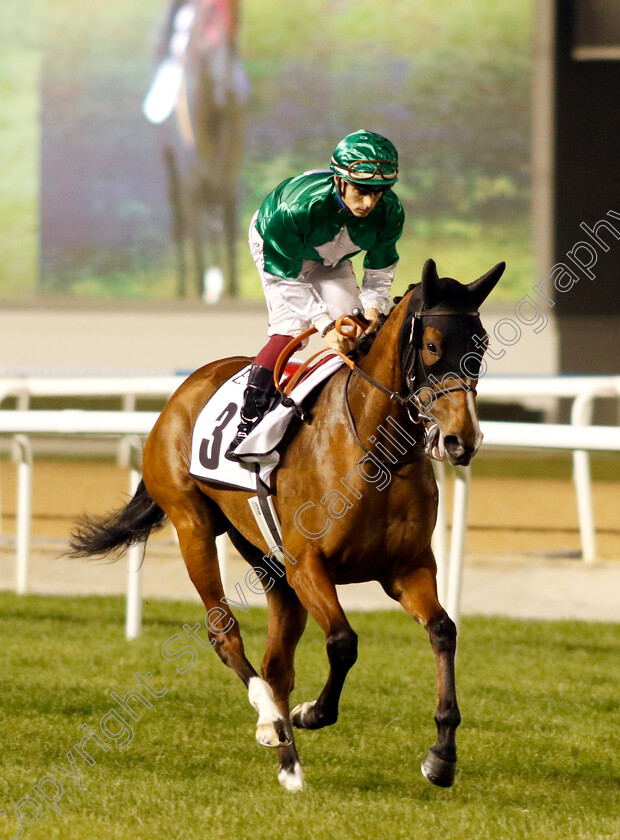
x=216, y=425
x=259, y=456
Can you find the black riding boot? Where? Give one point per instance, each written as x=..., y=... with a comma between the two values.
x=257, y=399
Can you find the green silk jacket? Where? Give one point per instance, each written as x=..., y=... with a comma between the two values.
x=304, y=216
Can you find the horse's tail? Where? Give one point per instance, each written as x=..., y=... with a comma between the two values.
x=116, y=532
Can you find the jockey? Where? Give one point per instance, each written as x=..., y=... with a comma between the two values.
x=302, y=238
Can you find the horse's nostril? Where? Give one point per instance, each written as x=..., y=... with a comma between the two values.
x=459, y=453
x=454, y=445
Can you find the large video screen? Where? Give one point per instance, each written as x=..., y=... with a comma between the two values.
x=99, y=202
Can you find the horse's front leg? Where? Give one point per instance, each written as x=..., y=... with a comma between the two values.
x=417, y=592
x=287, y=620
x=317, y=592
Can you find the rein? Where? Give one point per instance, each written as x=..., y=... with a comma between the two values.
x=349, y=322
x=345, y=325
x=393, y=465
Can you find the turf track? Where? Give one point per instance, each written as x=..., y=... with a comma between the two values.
x=539, y=744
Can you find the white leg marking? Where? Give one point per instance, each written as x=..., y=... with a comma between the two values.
x=261, y=697
x=292, y=779
x=301, y=711
x=471, y=405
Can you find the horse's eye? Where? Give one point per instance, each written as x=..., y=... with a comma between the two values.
x=432, y=348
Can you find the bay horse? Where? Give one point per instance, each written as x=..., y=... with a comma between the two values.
x=203, y=146
x=426, y=352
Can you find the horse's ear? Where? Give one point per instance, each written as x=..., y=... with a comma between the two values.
x=431, y=293
x=481, y=288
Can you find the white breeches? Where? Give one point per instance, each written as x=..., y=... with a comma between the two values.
x=336, y=286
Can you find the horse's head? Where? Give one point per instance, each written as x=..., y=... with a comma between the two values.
x=441, y=344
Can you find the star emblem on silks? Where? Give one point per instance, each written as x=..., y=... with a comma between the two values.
x=340, y=246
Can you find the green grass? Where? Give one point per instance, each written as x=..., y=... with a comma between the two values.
x=604, y=466
x=539, y=751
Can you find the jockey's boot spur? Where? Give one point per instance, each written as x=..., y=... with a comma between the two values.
x=257, y=399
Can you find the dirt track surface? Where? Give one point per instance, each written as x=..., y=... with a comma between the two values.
x=521, y=554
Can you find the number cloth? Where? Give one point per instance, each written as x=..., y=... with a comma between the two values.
x=216, y=425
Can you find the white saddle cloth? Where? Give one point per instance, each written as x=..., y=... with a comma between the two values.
x=217, y=425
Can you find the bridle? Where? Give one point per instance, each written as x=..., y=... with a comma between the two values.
x=410, y=358
x=411, y=361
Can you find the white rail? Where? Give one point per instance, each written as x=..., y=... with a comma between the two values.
x=583, y=390
x=579, y=437
x=132, y=425
x=77, y=421
x=25, y=387
x=125, y=389
x=513, y=387
x=551, y=436
x=512, y=435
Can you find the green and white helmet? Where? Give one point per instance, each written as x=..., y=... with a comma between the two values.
x=367, y=159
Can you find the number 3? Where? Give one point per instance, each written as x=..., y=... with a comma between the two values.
x=209, y=454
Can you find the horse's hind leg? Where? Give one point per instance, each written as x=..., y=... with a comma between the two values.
x=317, y=592
x=417, y=593
x=194, y=521
x=178, y=218
x=230, y=239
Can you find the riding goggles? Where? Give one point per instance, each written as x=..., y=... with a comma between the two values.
x=355, y=170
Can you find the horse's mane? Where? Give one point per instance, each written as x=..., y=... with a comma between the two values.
x=365, y=342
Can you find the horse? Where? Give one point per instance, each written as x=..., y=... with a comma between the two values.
x=340, y=525
x=203, y=145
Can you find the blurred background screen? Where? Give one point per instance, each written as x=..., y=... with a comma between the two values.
x=85, y=195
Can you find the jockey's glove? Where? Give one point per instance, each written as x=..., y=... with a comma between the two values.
x=336, y=341
x=372, y=316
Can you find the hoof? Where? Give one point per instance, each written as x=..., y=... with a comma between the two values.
x=274, y=734
x=300, y=712
x=438, y=771
x=292, y=779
